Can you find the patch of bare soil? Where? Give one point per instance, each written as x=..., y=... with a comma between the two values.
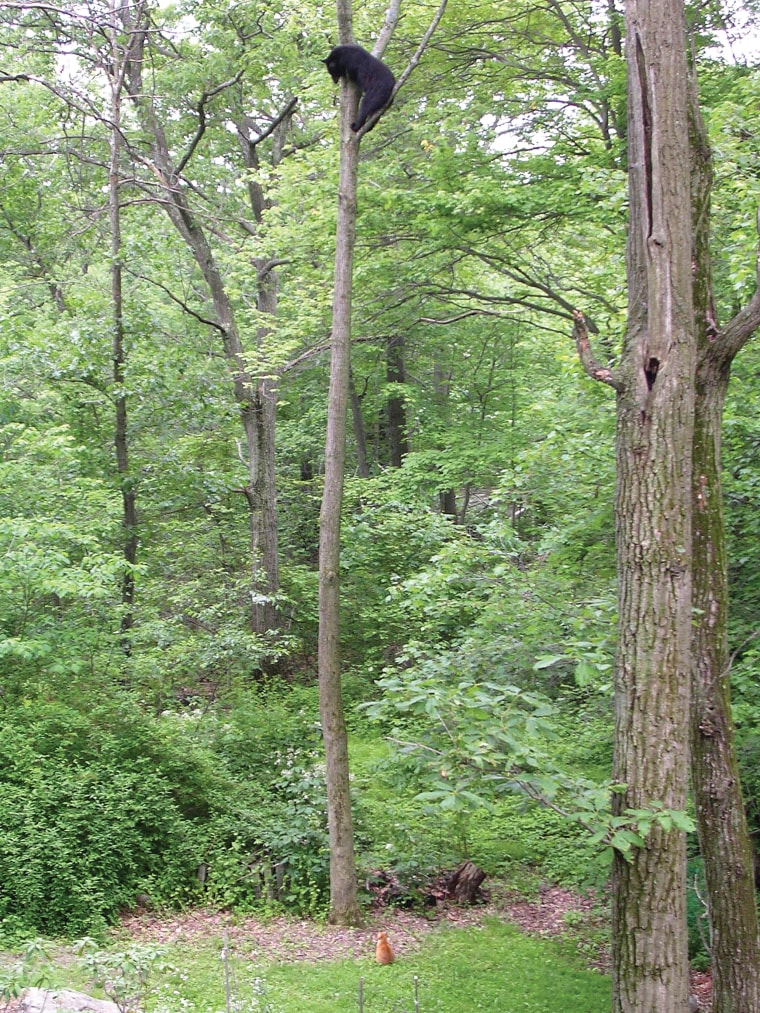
x=289, y=939
x=546, y=915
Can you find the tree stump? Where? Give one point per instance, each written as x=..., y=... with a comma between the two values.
x=464, y=883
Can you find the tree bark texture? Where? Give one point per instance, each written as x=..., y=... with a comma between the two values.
x=653, y=510
x=344, y=909
x=721, y=818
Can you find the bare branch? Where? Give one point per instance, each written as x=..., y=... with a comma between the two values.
x=202, y=119
x=282, y=115
x=459, y=316
x=592, y=366
x=422, y=46
x=391, y=19
x=180, y=302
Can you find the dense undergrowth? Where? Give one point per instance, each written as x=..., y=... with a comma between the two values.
x=106, y=808
x=102, y=806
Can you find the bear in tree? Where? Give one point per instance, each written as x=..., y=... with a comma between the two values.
x=365, y=70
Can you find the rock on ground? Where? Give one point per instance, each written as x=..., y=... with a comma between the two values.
x=63, y=1000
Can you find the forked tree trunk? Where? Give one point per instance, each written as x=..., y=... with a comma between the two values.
x=255, y=396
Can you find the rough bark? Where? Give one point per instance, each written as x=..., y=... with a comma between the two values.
x=464, y=883
x=653, y=517
x=721, y=820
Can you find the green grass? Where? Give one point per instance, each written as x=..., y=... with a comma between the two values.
x=492, y=968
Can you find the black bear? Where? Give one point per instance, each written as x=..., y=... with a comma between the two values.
x=364, y=69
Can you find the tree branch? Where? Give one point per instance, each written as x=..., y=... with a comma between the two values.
x=202, y=119
x=180, y=302
x=381, y=43
x=389, y=26
x=592, y=366
x=738, y=330
x=287, y=109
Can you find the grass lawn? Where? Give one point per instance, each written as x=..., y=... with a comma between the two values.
x=491, y=967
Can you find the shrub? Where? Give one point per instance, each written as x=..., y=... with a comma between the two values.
x=95, y=809
x=78, y=844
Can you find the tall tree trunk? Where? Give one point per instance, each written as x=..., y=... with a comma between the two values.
x=655, y=423
x=119, y=62
x=262, y=484
x=256, y=397
x=344, y=908
x=653, y=517
x=721, y=819
x=360, y=435
x=447, y=498
x=395, y=373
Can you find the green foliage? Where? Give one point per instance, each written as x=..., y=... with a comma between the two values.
x=513, y=836
x=388, y=540
x=267, y=730
x=122, y=975
x=273, y=854
x=31, y=970
x=88, y=824
x=100, y=806
x=480, y=731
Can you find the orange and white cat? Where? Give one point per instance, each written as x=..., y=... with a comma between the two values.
x=384, y=951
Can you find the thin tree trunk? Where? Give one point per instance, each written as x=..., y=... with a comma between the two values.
x=119, y=59
x=721, y=819
x=263, y=479
x=447, y=498
x=344, y=908
x=360, y=436
x=395, y=373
